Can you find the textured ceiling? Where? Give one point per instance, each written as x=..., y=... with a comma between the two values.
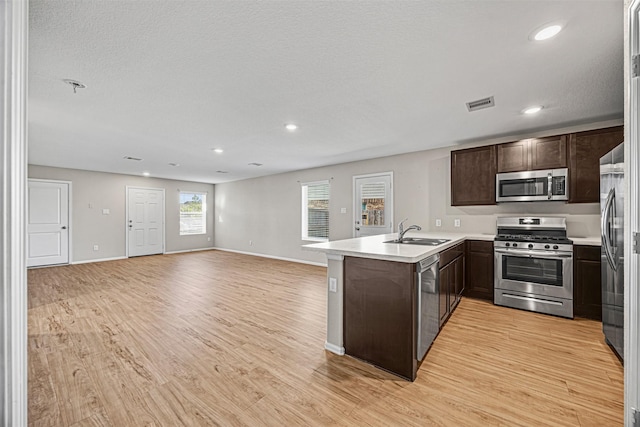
x=167, y=81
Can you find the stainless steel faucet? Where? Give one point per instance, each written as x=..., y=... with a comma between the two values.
x=402, y=231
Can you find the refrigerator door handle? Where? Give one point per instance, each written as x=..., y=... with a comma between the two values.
x=606, y=229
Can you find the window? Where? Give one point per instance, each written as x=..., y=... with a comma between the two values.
x=193, y=213
x=315, y=211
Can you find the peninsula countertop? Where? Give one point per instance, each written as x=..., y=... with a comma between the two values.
x=374, y=247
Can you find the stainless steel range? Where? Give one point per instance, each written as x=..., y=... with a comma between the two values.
x=534, y=265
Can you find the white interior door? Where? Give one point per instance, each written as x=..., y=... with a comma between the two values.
x=145, y=221
x=48, y=223
x=373, y=204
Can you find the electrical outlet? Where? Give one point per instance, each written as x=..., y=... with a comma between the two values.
x=456, y=223
x=208, y=239
x=343, y=210
x=96, y=248
x=250, y=242
x=333, y=284
x=438, y=223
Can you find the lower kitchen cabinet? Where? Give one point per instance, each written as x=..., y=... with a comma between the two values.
x=380, y=314
x=587, y=290
x=451, y=280
x=479, y=269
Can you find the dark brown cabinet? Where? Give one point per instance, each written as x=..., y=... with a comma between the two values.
x=587, y=291
x=451, y=280
x=479, y=269
x=585, y=150
x=532, y=154
x=513, y=156
x=380, y=314
x=473, y=176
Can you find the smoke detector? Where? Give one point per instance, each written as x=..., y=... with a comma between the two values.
x=75, y=84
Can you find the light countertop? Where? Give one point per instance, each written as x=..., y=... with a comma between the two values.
x=586, y=241
x=373, y=246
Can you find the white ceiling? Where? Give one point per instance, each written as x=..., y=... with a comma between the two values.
x=169, y=80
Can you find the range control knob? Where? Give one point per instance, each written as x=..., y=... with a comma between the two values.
x=507, y=244
x=547, y=246
x=555, y=246
x=515, y=245
x=530, y=245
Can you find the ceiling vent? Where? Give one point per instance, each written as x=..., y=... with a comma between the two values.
x=480, y=104
x=135, y=159
x=255, y=164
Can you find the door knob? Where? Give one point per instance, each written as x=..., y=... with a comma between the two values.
x=357, y=228
x=64, y=227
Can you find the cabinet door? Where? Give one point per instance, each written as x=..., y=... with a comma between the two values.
x=585, y=150
x=380, y=314
x=513, y=156
x=479, y=269
x=473, y=176
x=456, y=282
x=444, y=279
x=548, y=153
x=587, y=291
x=460, y=277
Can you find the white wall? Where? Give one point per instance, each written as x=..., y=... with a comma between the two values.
x=267, y=210
x=90, y=227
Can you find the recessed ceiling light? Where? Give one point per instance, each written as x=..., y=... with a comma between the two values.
x=218, y=150
x=532, y=110
x=146, y=173
x=136, y=159
x=255, y=164
x=174, y=164
x=222, y=171
x=547, y=32
x=290, y=127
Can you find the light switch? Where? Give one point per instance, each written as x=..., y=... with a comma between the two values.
x=333, y=284
x=343, y=210
x=106, y=211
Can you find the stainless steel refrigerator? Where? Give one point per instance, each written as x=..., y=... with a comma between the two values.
x=612, y=255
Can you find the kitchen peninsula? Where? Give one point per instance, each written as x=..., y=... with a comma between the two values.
x=373, y=300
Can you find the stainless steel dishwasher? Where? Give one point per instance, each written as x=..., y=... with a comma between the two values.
x=428, y=298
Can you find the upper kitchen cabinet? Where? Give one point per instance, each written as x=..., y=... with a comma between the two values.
x=473, y=176
x=585, y=150
x=533, y=154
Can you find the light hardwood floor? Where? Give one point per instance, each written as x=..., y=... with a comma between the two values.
x=215, y=338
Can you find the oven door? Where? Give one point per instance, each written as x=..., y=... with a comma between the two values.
x=545, y=273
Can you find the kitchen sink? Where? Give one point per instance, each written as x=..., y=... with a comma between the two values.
x=418, y=241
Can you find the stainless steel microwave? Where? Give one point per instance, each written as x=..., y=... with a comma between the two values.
x=532, y=186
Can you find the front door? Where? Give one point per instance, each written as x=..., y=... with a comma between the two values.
x=48, y=223
x=373, y=204
x=145, y=221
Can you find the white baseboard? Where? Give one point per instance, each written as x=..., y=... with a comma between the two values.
x=299, y=261
x=334, y=348
x=210, y=248
x=87, y=261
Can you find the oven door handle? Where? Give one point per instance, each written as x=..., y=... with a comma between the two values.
x=605, y=228
x=550, y=186
x=537, y=254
